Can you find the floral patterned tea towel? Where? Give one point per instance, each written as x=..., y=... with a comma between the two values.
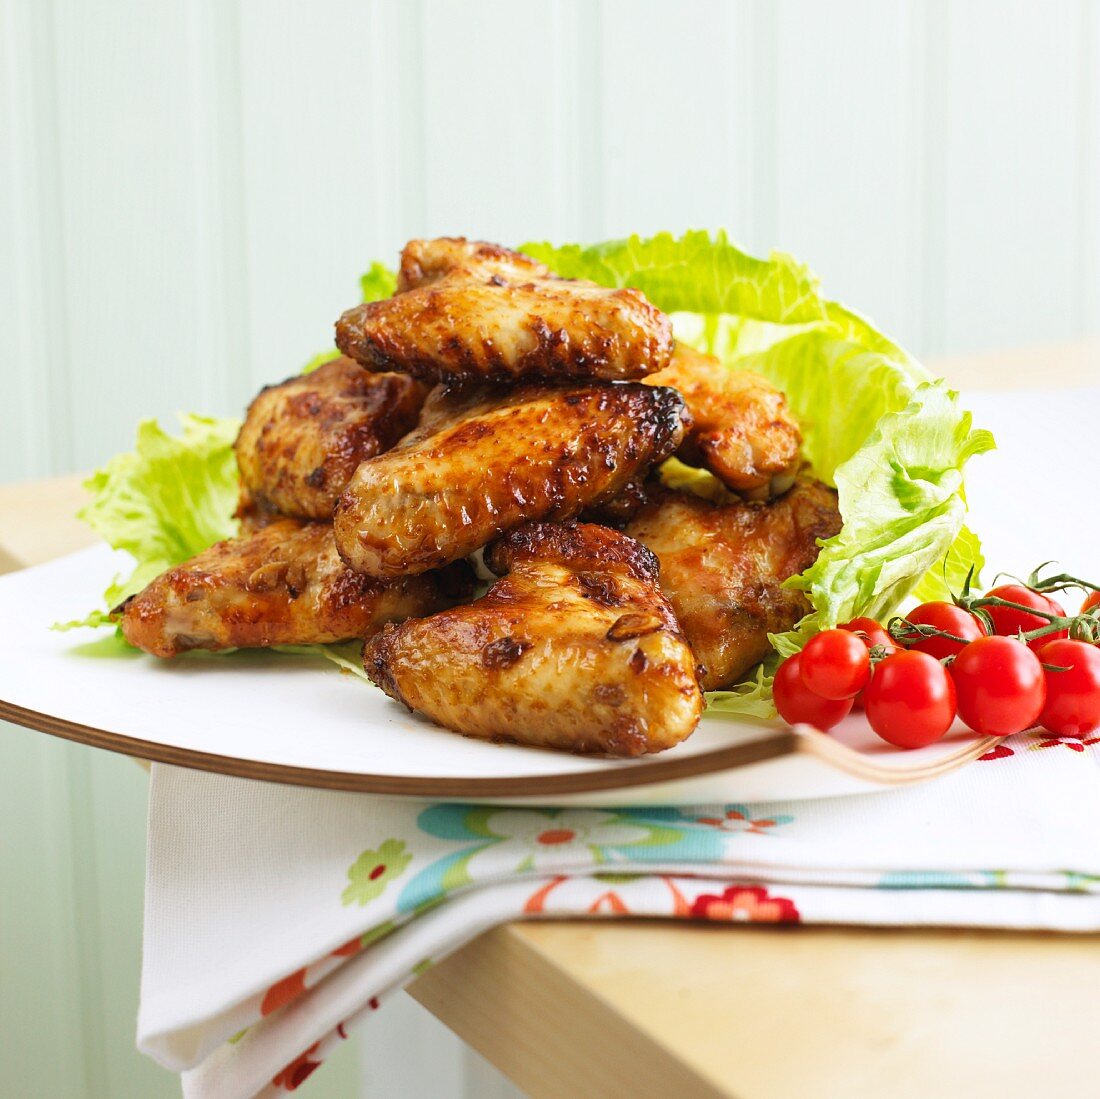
x=278, y=917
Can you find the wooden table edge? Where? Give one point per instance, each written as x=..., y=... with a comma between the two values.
x=508, y=1000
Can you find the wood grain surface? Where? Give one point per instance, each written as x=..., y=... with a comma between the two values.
x=613, y=1009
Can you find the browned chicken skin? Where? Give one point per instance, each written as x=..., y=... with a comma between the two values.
x=281, y=585
x=722, y=565
x=485, y=460
x=744, y=433
x=303, y=439
x=576, y=648
x=426, y=261
x=499, y=316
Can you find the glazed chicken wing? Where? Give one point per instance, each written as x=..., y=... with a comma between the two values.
x=427, y=261
x=303, y=439
x=722, y=565
x=502, y=317
x=281, y=585
x=483, y=461
x=744, y=433
x=575, y=648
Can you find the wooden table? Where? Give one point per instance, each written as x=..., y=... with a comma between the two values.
x=666, y=1010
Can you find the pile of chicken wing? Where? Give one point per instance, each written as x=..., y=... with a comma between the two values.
x=492, y=412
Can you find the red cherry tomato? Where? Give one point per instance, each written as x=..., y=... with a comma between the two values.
x=835, y=664
x=1009, y=622
x=1073, y=696
x=1091, y=600
x=798, y=705
x=951, y=619
x=910, y=700
x=873, y=633
x=1000, y=686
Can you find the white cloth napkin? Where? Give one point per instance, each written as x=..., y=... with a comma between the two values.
x=278, y=917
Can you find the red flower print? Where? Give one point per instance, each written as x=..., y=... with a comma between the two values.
x=1074, y=744
x=998, y=752
x=298, y=1071
x=745, y=903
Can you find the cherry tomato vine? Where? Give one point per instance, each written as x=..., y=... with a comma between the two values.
x=1002, y=662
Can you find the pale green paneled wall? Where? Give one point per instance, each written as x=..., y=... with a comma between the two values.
x=71, y=866
x=189, y=189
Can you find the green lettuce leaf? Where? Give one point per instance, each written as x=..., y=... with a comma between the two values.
x=346, y=655
x=751, y=698
x=379, y=282
x=319, y=360
x=169, y=498
x=902, y=503
x=950, y=578
x=695, y=273
x=892, y=439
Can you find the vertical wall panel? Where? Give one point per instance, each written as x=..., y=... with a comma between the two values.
x=1013, y=262
x=499, y=87
x=759, y=86
x=930, y=42
x=484, y=1081
x=112, y=865
x=309, y=130
x=848, y=171
x=60, y=1032
x=41, y=1009
x=216, y=136
x=406, y=1051
x=131, y=298
x=677, y=122
x=396, y=185
x=583, y=133
x=24, y=453
x=36, y=415
x=1090, y=152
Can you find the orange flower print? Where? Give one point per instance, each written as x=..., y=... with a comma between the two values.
x=349, y=948
x=738, y=818
x=745, y=903
x=609, y=894
x=298, y=1071
x=282, y=992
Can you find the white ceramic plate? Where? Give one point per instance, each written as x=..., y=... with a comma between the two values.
x=292, y=719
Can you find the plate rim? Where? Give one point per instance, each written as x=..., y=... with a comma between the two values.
x=779, y=742
x=776, y=741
